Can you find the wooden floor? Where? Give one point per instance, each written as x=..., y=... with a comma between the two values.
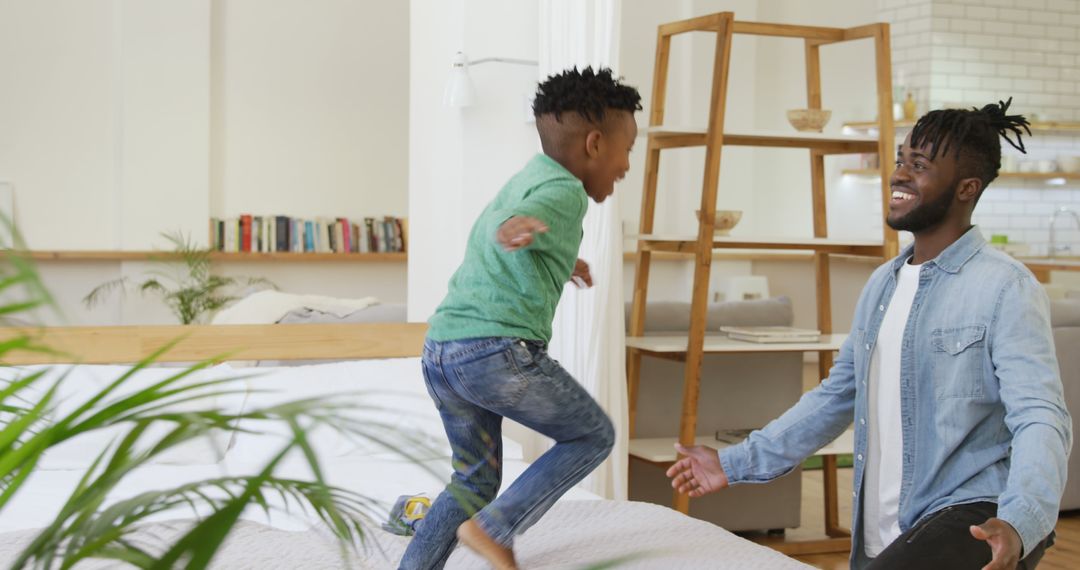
x=1065, y=554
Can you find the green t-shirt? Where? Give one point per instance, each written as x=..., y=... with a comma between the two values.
x=498, y=293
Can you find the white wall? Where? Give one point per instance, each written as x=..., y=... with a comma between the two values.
x=163, y=105
x=60, y=136
x=309, y=108
x=105, y=119
x=460, y=158
x=126, y=118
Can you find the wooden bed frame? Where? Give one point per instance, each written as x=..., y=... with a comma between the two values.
x=127, y=344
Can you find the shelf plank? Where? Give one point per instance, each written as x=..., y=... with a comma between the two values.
x=310, y=257
x=746, y=255
x=708, y=23
x=245, y=257
x=722, y=344
x=686, y=136
x=1045, y=126
x=687, y=243
x=1011, y=175
x=790, y=31
x=661, y=450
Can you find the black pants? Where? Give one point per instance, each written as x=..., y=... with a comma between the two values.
x=943, y=540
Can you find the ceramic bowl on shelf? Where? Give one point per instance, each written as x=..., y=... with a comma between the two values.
x=725, y=220
x=808, y=120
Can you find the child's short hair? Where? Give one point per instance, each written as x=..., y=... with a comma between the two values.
x=586, y=92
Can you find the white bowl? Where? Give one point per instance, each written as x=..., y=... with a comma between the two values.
x=725, y=220
x=808, y=120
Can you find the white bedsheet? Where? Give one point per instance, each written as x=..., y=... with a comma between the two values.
x=573, y=534
x=396, y=385
x=579, y=529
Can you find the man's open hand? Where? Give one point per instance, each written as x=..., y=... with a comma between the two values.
x=699, y=473
x=517, y=232
x=1004, y=543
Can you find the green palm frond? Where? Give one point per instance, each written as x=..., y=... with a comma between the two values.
x=99, y=293
x=152, y=286
x=87, y=527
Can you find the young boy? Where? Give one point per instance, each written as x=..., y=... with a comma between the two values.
x=485, y=356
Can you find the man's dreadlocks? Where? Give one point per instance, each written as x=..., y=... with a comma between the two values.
x=972, y=135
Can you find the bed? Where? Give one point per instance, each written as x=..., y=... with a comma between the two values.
x=383, y=358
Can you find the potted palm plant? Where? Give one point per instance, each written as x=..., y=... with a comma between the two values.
x=183, y=281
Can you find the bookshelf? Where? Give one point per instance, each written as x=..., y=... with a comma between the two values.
x=875, y=138
x=226, y=257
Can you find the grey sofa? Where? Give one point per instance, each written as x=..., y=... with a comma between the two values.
x=737, y=392
x=1065, y=320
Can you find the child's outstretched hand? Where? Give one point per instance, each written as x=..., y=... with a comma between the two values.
x=581, y=276
x=517, y=232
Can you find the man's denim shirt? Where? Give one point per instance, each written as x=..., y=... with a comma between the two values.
x=983, y=416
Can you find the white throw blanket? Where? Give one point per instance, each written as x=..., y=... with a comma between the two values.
x=268, y=307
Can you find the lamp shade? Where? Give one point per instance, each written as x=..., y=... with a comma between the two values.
x=459, y=89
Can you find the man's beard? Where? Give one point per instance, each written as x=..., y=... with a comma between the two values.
x=925, y=215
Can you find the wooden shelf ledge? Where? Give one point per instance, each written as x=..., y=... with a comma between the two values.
x=685, y=243
x=689, y=136
x=819, y=35
x=722, y=344
x=244, y=257
x=749, y=255
x=661, y=450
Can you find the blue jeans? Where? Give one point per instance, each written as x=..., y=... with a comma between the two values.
x=475, y=383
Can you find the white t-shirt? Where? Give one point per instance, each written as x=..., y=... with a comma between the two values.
x=885, y=442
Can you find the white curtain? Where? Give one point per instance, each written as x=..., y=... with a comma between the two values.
x=589, y=335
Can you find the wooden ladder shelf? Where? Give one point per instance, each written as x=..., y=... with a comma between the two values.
x=713, y=138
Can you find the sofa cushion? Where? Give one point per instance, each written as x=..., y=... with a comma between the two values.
x=675, y=316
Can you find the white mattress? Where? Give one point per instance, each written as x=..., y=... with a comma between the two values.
x=579, y=529
x=396, y=386
x=573, y=534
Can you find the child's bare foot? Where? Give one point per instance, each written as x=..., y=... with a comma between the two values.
x=470, y=534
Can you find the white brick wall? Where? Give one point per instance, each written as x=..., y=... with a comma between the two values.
x=1021, y=208
x=973, y=52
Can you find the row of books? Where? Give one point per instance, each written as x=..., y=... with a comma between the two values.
x=267, y=234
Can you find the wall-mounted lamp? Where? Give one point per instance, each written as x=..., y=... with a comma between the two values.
x=459, y=91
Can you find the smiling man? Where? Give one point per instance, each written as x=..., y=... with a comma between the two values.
x=961, y=431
